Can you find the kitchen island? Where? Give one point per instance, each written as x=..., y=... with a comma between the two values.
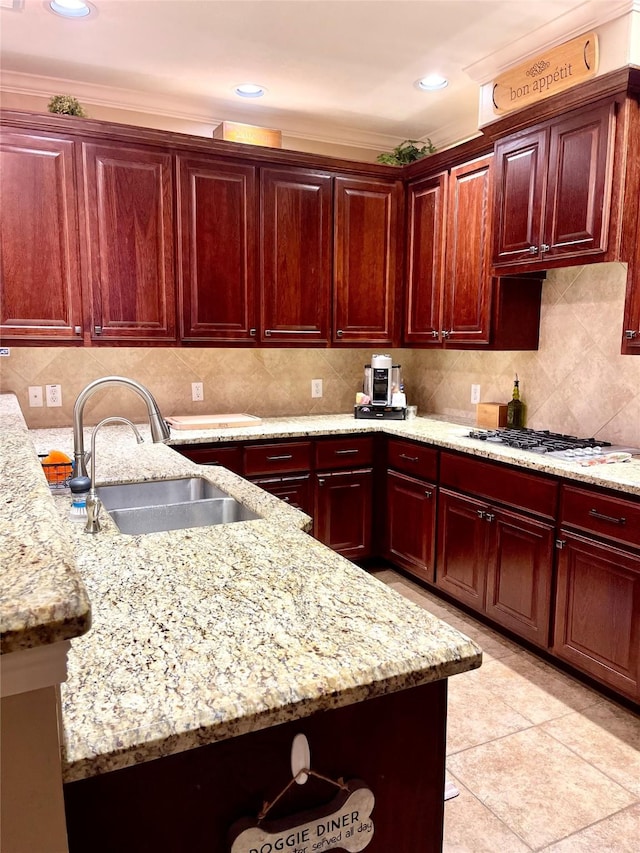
x=211, y=648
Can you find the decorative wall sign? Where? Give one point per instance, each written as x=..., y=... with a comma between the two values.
x=554, y=71
x=250, y=134
x=343, y=824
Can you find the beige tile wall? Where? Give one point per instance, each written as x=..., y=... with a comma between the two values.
x=577, y=381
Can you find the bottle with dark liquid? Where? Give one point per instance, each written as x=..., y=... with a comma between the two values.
x=515, y=408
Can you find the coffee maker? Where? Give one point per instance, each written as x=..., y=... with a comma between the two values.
x=382, y=390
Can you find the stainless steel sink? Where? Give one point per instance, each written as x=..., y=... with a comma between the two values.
x=154, y=505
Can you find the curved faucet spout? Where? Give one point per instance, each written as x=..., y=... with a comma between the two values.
x=159, y=428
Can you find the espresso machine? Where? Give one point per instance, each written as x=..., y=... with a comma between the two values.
x=382, y=390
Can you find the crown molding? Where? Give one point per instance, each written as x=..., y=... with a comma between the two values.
x=591, y=14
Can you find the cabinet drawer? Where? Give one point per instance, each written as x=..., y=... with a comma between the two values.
x=413, y=458
x=230, y=457
x=281, y=458
x=605, y=515
x=531, y=492
x=292, y=490
x=347, y=452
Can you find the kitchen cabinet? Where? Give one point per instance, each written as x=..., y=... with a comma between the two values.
x=217, y=250
x=295, y=256
x=452, y=300
x=229, y=456
x=597, y=615
x=495, y=543
x=292, y=489
x=631, y=322
x=366, y=274
x=553, y=190
x=411, y=496
x=129, y=242
x=343, y=489
x=39, y=249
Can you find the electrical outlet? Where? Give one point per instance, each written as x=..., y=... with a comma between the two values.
x=35, y=396
x=316, y=387
x=475, y=393
x=54, y=395
x=197, y=392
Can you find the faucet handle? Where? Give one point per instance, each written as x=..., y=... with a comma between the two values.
x=94, y=505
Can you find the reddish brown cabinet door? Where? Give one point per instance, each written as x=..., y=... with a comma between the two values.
x=426, y=211
x=295, y=256
x=597, y=618
x=411, y=524
x=467, y=288
x=520, y=178
x=39, y=254
x=366, y=261
x=217, y=250
x=462, y=548
x=128, y=203
x=294, y=490
x=343, y=511
x=519, y=573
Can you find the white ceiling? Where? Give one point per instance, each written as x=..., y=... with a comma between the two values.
x=340, y=71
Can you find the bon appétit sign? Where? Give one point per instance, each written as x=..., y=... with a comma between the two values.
x=548, y=74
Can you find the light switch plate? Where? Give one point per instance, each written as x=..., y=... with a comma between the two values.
x=35, y=396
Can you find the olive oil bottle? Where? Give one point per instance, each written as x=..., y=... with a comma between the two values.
x=515, y=408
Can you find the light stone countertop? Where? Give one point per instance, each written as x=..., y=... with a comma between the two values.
x=203, y=634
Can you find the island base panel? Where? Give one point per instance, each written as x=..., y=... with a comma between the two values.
x=186, y=802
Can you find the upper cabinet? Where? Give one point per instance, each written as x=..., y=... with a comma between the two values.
x=553, y=190
x=129, y=246
x=295, y=256
x=217, y=207
x=39, y=254
x=366, y=277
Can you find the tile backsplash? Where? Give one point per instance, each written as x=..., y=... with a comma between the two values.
x=577, y=382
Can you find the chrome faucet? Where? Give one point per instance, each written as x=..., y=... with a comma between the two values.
x=94, y=504
x=159, y=428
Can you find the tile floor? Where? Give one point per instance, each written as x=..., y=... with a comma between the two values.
x=542, y=762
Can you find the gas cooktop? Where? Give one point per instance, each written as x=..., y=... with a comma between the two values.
x=553, y=443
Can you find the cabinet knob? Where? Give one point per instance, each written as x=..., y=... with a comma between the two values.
x=252, y=332
x=428, y=494
x=97, y=330
x=533, y=250
x=77, y=330
x=321, y=482
x=339, y=333
x=489, y=516
x=445, y=333
x=434, y=333
x=481, y=513
x=545, y=247
x=630, y=334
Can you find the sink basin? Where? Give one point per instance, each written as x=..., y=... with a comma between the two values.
x=155, y=505
x=157, y=492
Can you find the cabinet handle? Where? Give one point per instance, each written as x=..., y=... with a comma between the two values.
x=630, y=334
x=97, y=330
x=445, y=333
x=408, y=458
x=77, y=330
x=252, y=332
x=278, y=458
x=545, y=247
x=595, y=514
x=286, y=499
x=339, y=333
x=269, y=332
x=428, y=494
x=560, y=543
x=321, y=481
x=489, y=516
x=481, y=513
x=434, y=333
x=533, y=250
x=346, y=452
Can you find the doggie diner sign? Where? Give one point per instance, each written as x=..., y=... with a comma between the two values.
x=551, y=72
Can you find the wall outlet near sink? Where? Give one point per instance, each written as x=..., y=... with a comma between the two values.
x=316, y=387
x=197, y=392
x=54, y=395
x=475, y=393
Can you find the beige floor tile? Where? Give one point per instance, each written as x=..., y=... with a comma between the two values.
x=608, y=737
x=538, y=787
x=534, y=689
x=476, y=714
x=619, y=833
x=470, y=827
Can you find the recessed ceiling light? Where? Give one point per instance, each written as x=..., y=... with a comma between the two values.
x=250, y=90
x=70, y=8
x=432, y=82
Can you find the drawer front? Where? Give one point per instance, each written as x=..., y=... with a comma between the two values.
x=415, y=459
x=346, y=452
x=230, y=457
x=277, y=458
x=605, y=515
x=531, y=492
x=295, y=490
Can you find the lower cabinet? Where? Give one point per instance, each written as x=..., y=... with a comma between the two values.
x=493, y=558
x=411, y=523
x=294, y=490
x=343, y=511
